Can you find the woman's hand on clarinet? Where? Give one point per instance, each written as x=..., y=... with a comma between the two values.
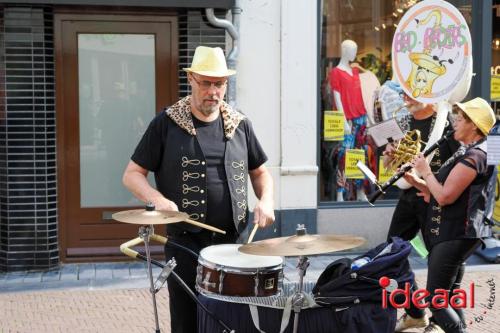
x=411, y=177
x=420, y=164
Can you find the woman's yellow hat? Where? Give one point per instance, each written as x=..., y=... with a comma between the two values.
x=209, y=61
x=480, y=112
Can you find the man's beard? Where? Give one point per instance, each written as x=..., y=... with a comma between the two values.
x=208, y=110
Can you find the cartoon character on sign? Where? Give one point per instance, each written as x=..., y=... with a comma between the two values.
x=424, y=71
x=431, y=51
x=425, y=68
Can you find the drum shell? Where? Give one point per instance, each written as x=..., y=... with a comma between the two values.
x=243, y=282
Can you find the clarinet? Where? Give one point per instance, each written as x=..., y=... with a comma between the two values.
x=381, y=189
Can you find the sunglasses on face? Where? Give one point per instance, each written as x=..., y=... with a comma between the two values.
x=207, y=84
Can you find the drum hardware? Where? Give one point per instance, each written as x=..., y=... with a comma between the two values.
x=145, y=233
x=186, y=288
x=147, y=218
x=298, y=297
x=301, y=245
x=206, y=282
x=164, y=274
x=429, y=150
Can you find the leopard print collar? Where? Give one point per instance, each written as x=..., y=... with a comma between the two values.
x=180, y=113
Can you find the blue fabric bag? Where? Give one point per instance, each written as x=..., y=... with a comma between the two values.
x=341, y=286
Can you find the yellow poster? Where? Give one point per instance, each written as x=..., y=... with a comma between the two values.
x=333, y=126
x=352, y=156
x=383, y=173
x=495, y=87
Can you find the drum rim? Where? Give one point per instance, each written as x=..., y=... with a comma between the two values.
x=239, y=270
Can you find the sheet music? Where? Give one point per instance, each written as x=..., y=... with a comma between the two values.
x=493, y=147
x=385, y=130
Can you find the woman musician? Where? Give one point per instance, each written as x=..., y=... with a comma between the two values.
x=457, y=197
x=432, y=121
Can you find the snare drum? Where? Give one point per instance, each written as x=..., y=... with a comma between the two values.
x=223, y=270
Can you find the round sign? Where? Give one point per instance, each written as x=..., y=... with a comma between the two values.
x=431, y=50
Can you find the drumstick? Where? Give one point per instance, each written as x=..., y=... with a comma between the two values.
x=254, y=230
x=205, y=226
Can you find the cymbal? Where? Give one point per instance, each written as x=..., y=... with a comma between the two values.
x=144, y=217
x=302, y=245
x=147, y=217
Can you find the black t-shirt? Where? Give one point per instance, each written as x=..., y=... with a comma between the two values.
x=213, y=144
x=149, y=151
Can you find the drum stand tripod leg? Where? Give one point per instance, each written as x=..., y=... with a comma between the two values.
x=145, y=233
x=298, y=297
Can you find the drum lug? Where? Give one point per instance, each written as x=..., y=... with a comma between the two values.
x=206, y=281
x=199, y=273
x=256, y=280
x=221, y=281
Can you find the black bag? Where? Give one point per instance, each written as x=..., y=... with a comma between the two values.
x=341, y=286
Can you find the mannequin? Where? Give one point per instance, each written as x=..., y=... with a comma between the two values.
x=346, y=87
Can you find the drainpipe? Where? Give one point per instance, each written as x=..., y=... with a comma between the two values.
x=233, y=30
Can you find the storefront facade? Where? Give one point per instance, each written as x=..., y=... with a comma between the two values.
x=81, y=79
x=371, y=25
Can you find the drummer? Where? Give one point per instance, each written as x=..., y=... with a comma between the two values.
x=201, y=152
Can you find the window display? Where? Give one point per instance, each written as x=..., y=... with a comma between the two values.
x=359, y=90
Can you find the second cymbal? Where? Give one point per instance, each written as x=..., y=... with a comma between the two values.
x=302, y=245
x=144, y=217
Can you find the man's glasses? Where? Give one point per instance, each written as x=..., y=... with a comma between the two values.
x=207, y=84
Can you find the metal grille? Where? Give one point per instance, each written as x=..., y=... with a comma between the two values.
x=28, y=194
x=194, y=30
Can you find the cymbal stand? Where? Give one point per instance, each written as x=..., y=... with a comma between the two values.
x=145, y=233
x=298, y=297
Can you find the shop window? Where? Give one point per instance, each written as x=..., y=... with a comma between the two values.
x=351, y=76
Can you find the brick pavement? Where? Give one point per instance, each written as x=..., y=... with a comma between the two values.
x=127, y=310
x=130, y=310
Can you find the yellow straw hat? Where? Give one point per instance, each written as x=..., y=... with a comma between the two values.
x=209, y=61
x=480, y=112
